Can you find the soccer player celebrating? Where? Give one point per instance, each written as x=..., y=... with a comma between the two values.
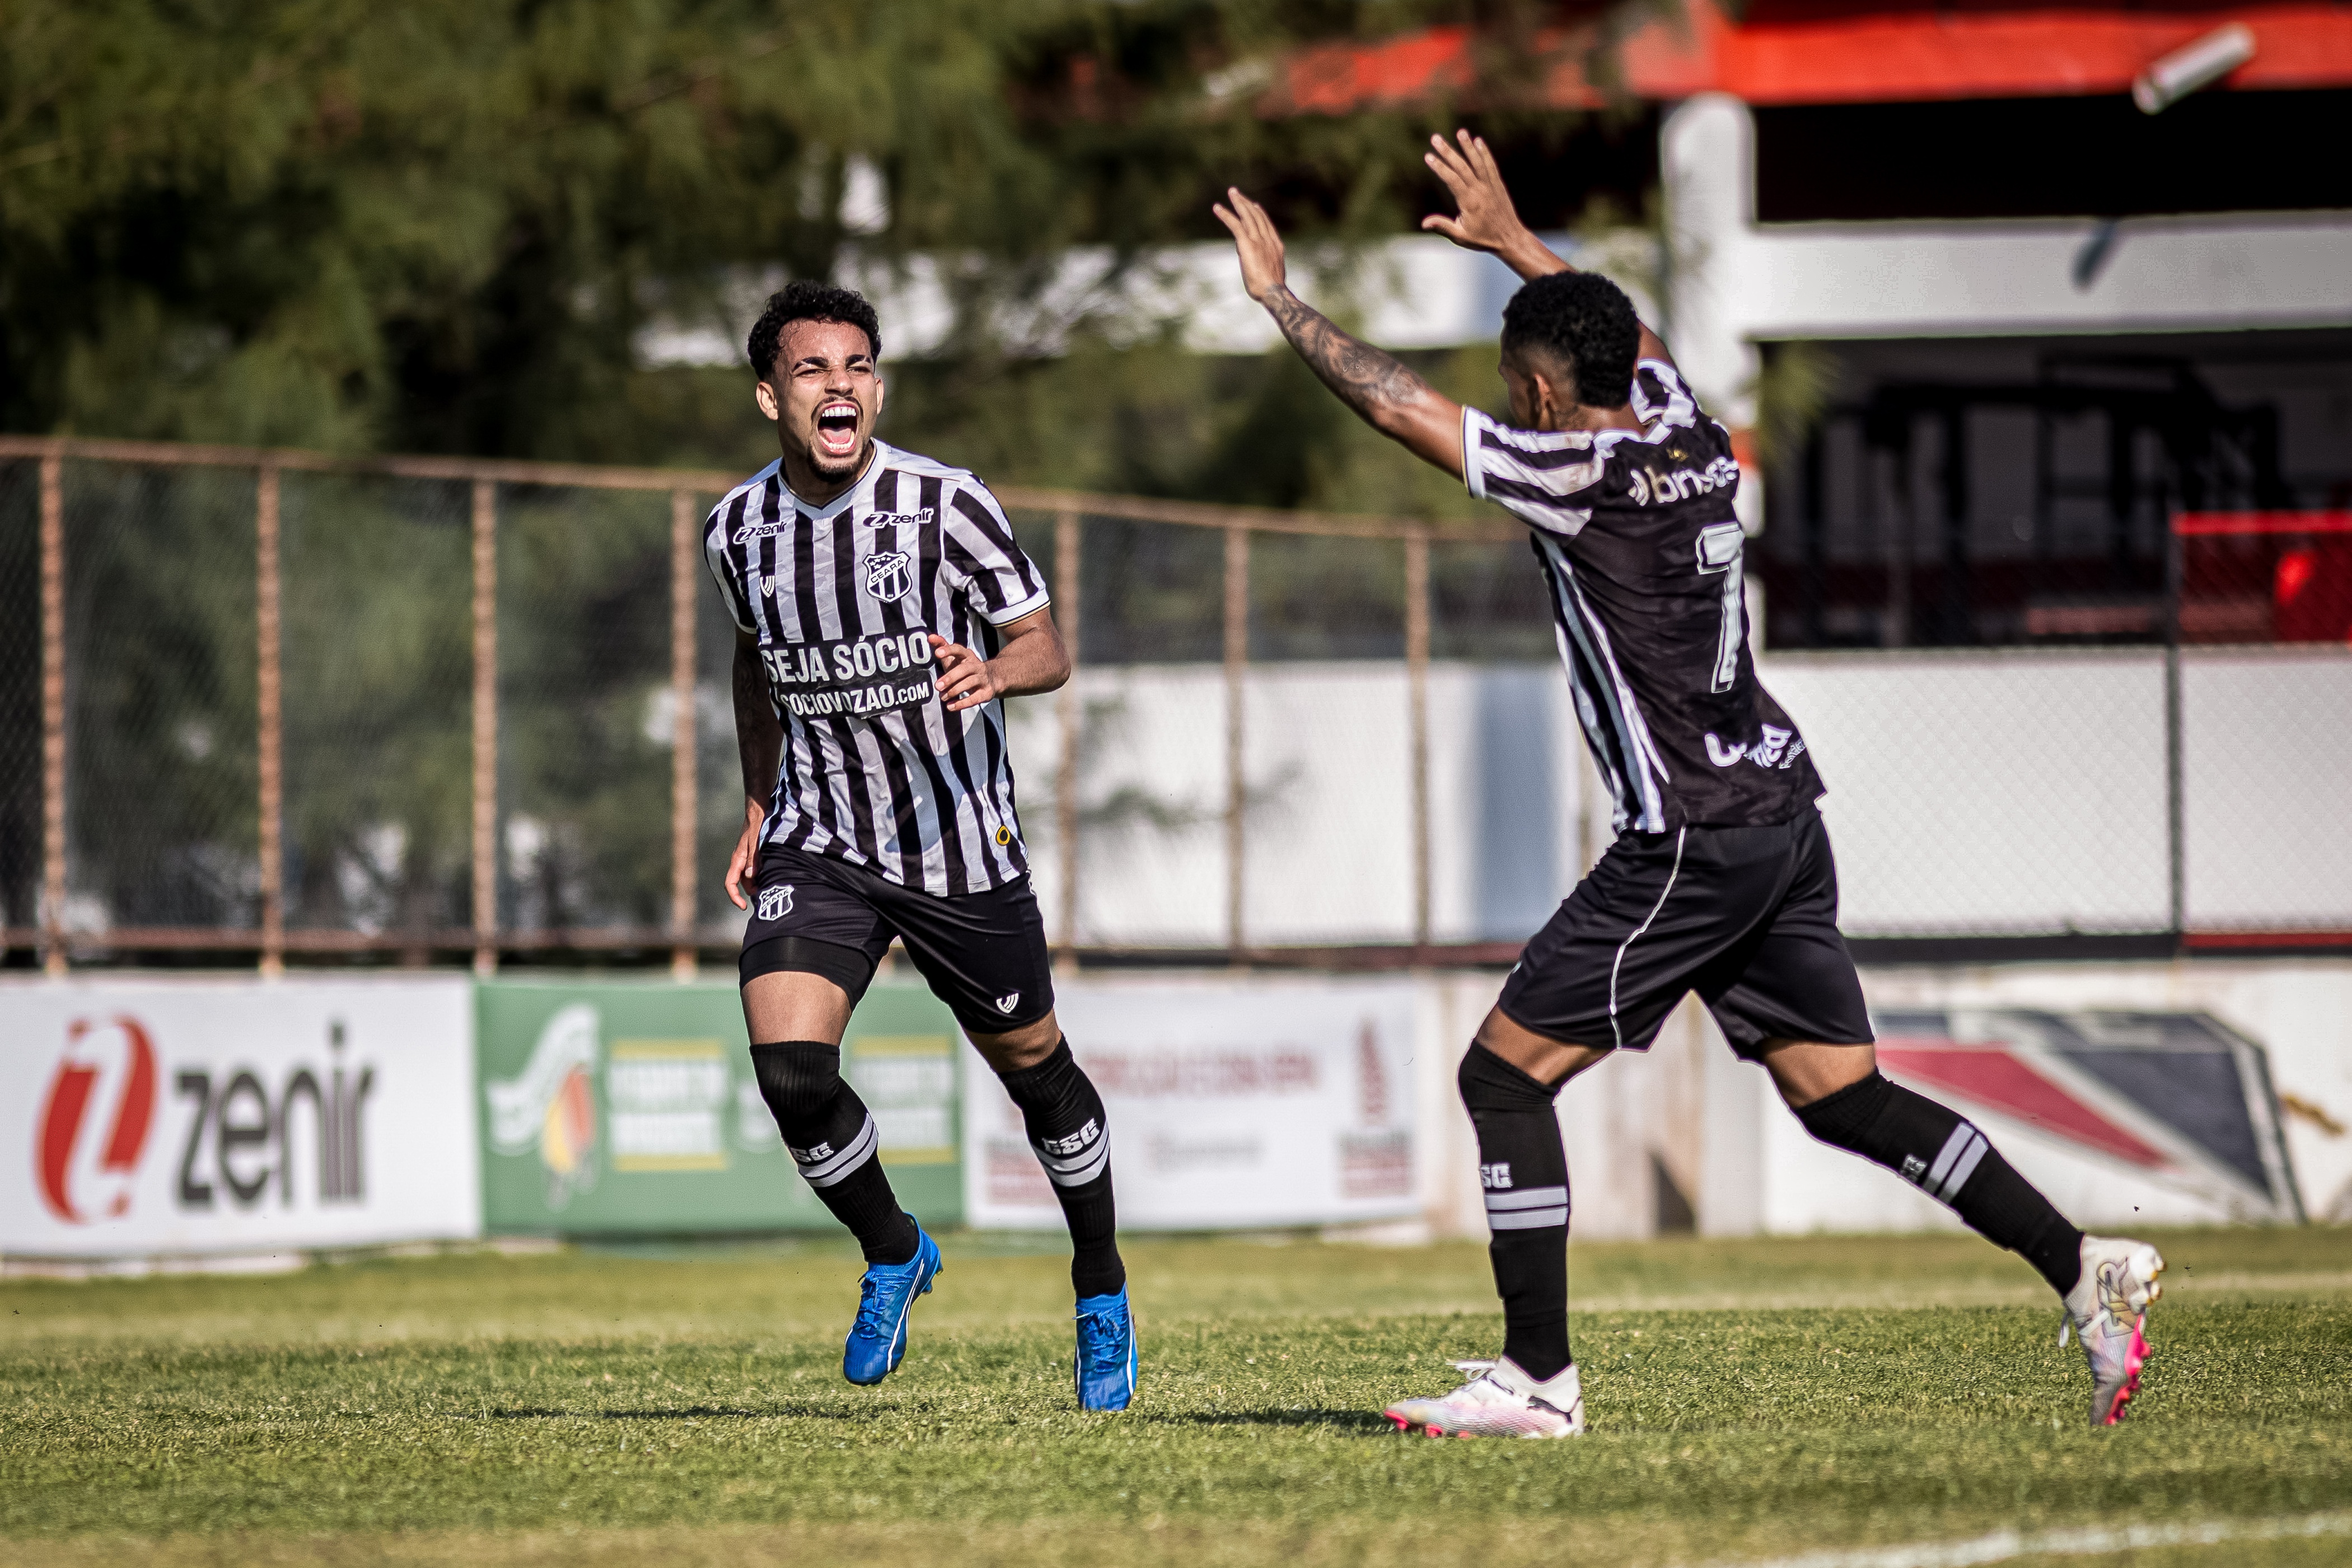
x=883, y=611
x=1720, y=879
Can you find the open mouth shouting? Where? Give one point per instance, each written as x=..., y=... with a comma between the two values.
x=836, y=430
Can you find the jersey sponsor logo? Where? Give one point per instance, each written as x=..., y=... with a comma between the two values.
x=762, y=529
x=1770, y=749
x=1003, y=836
x=1495, y=1178
x=1681, y=484
x=913, y=519
x=816, y=680
x=775, y=903
x=889, y=575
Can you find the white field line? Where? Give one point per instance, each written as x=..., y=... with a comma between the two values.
x=2004, y=1545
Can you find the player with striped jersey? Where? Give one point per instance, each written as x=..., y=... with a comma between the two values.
x=884, y=610
x=1720, y=880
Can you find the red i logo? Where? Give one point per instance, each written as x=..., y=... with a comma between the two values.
x=95, y=1119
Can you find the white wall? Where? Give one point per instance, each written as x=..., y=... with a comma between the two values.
x=1735, y=282
x=1983, y=791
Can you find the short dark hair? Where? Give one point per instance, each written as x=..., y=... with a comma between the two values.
x=1586, y=322
x=804, y=300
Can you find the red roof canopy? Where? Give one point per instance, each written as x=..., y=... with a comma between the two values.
x=1886, y=56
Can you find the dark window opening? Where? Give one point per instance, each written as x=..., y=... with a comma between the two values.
x=2052, y=157
x=1930, y=508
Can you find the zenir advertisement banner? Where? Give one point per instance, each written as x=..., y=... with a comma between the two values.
x=189, y=1116
x=630, y=1109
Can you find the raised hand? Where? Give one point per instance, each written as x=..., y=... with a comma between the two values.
x=1255, y=237
x=1489, y=221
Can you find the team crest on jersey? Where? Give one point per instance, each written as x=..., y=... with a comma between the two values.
x=776, y=901
x=889, y=575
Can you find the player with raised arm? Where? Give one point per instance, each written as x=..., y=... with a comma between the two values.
x=1720, y=879
x=883, y=612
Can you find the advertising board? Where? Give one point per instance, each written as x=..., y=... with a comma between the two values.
x=630, y=1109
x=180, y=1116
x=1232, y=1103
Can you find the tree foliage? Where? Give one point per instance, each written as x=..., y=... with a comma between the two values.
x=437, y=225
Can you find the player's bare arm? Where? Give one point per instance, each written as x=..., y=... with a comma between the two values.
x=759, y=742
x=1489, y=220
x=1031, y=660
x=1388, y=395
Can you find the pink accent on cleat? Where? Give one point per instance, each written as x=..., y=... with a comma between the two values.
x=2134, y=1358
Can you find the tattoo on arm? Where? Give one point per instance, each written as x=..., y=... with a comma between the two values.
x=1366, y=380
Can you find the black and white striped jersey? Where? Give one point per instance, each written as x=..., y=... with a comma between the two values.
x=1641, y=552
x=876, y=770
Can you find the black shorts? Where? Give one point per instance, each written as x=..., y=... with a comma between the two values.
x=1745, y=916
x=984, y=954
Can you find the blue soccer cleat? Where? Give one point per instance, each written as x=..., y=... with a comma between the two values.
x=877, y=1340
x=1106, y=1352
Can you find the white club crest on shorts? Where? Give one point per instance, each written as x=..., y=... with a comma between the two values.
x=887, y=575
x=776, y=901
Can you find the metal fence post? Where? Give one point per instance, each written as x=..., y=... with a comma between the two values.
x=270, y=725
x=1069, y=714
x=683, y=741
x=1416, y=671
x=53, y=712
x=486, y=727
x=1236, y=668
x=2175, y=824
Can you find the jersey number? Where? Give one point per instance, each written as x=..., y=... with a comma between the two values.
x=1718, y=552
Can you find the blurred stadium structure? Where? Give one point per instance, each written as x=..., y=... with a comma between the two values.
x=281, y=703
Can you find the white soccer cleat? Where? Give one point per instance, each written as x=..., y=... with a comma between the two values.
x=1499, y=1401
x=2107, y=1310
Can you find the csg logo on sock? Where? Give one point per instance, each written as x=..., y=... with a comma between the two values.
x=1497, y=1177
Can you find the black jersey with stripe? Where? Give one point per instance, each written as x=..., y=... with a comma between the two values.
x=1641, y=552
x=876, y=770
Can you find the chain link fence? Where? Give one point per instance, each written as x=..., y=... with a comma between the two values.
x=276, y=705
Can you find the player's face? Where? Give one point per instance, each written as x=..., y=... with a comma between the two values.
x=824, y=395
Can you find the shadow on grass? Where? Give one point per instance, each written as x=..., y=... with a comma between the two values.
x=691, y=1413
x=1361, y=1421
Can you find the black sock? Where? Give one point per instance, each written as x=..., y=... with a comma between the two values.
x=1071, y=1134
x=1944, y=1156
x=833, y=1140
x=1524, y=1169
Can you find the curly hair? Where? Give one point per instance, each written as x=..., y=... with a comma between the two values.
x=1587, y=323
x=802, y=301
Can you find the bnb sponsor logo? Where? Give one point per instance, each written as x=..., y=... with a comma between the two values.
x=98, y=1116
x=1681, y=484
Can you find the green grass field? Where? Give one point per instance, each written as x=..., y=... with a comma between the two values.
x=1749, y=1400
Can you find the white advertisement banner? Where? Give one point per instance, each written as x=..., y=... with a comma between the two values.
x=1233, y=1101
x=158, y=1117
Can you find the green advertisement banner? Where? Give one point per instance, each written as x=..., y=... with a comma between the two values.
x=620, y=1108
